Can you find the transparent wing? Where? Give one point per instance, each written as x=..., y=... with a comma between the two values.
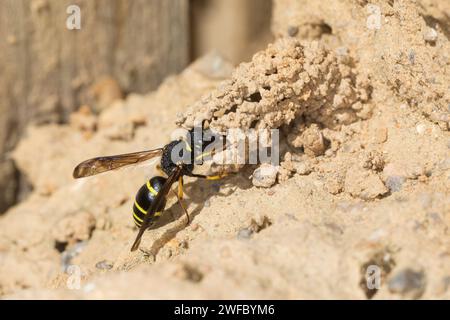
x=102, y=164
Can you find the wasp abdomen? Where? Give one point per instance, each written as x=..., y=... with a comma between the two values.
x=145, y=197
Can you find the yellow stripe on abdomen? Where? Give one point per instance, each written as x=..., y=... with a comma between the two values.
x=137, y=218
x=150, y=188
x=140, y=208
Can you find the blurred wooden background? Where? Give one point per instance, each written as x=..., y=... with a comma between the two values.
x=123, y=46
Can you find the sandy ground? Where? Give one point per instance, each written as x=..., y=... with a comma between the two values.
x=364, y=181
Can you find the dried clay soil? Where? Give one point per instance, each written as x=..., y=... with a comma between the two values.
x=363, y=183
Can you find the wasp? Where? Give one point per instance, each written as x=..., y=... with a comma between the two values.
x=177, y=160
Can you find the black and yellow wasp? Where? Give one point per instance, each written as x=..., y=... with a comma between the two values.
x=177, y=160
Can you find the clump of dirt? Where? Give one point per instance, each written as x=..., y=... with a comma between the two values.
x=284, y=82
x=363, y=178
x=403, y=46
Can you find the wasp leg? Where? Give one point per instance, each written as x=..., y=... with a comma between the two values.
x=180, y=187
x=182, y=207
x=216, y=177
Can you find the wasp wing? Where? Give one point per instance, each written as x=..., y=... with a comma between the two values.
x=162, y=194
x=102, y=164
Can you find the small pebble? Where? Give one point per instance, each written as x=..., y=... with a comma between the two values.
x=430, y=35
x=412, y=56
x=421, y=128
x=245, y=233
x=264, y=176
x=381, y=135
x=292, y=31
x=408, y=281
x=394, y=183
x=314, y=143
x=104, y=265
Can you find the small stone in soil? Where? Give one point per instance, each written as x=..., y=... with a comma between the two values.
x=264, y=176
x=104, y=265
x=430, y=35
x=245, y=233
x=394, y=183
x=292, y=31
x=412, y=56
x=408, y=281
